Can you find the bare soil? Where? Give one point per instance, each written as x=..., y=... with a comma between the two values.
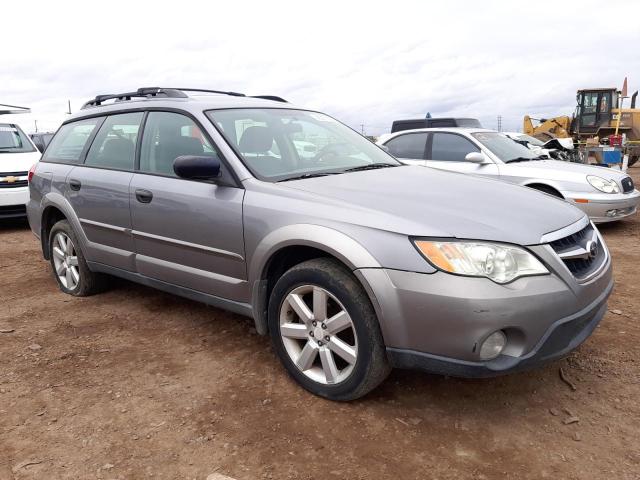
x=134, y=383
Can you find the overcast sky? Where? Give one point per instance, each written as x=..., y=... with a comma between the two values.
x=362, y=62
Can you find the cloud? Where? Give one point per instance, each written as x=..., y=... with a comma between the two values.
x=367, y=63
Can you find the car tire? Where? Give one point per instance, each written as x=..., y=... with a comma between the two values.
x=69, y=265
x=343, y=337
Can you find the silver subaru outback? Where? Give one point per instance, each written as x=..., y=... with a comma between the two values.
x=352, y=262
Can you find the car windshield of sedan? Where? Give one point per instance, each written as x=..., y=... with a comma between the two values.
x=285, y=144
x=504, y=148
x=13, y=140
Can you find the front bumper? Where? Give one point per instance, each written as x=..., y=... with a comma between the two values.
x=13, y=202
x=436, y=322
x=604, y=207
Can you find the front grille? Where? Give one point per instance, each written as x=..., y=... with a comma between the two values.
x=627, y=185
x=14, y=177
x=582, y=252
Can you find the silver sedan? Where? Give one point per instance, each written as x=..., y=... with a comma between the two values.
x=602, y=193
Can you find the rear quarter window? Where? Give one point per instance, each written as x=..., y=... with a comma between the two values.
x=70, y=141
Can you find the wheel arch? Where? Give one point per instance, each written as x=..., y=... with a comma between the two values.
x=55, y=208
x=545, y=187
x=288, y=246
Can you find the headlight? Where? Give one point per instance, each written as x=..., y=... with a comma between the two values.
x=602, y=184
x=500, y=263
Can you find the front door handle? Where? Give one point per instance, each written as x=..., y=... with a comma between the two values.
x=144, y=196
x=75, y=184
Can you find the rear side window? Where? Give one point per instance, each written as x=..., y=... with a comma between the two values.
x=450, y=147
x=168, y=136
x=68, y=144
x=411, y=145
x=115, y=144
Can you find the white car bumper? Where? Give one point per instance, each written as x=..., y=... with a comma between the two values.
x=605, y=207
x=13, y=202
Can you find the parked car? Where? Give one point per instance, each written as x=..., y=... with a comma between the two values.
x=41, y=139
x=555, y=148
x=412, y=124
x=17, y=155
x=351, y=261
x=603, y=194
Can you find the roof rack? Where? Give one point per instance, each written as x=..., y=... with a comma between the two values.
x=11, y=109
x=150, y=92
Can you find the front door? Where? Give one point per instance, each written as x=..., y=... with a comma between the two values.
x=447, y=151
x=187, y=233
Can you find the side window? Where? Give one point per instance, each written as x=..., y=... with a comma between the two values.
x=115, y=143
x=450, y=147
x=410, y=145
x=69, y=142
x=168, y=136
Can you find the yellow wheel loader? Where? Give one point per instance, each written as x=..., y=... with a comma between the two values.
x=597, y=114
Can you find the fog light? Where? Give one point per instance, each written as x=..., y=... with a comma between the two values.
x=493, y=345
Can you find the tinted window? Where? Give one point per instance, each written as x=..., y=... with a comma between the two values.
x=410, y=145
x=115, y=143
x=168, y=136
x=69, y=142
x=450, y=147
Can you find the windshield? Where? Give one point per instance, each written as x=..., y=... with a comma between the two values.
x=503, y=147
x=280, y=144
x=532, y=140
x=13, y=139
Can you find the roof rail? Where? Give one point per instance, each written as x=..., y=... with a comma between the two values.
x=145, y=92
x=11, y=109
x=150, y=92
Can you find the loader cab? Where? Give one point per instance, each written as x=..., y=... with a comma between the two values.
x=593, y=110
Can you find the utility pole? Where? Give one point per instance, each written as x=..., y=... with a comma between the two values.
x=68, y=112
x=499, y=123
x=36, y=123
x=362, y=128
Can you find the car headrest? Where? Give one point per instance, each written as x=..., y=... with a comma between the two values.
x=256, y=140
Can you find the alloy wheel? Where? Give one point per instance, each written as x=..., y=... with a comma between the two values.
x=318, y=334
x=65, y=260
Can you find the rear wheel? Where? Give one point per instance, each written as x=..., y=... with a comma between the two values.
x=69, y=265
x=325, y=331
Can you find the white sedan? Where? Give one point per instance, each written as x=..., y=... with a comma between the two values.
x=604, y=194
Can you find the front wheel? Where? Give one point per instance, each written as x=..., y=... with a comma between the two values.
x=325, y=331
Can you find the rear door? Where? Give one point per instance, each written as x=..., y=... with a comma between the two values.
x=98, y=190
x=447, y=151
x=410, y=148
x=187, y=233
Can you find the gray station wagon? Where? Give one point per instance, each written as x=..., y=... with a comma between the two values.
x=352, y=262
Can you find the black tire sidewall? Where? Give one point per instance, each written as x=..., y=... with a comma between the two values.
x=341, y=284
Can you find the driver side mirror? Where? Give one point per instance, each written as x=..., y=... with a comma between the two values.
x=197, y=167
x=475, y=157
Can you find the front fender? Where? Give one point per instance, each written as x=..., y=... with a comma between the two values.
x=341, y=246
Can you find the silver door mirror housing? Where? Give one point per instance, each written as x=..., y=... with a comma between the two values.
x=475, y=157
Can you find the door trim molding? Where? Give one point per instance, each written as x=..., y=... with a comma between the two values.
x=196, y=246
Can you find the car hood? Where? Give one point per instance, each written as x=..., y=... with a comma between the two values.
x=419, y=201
x=558, y=170
x=18, y=162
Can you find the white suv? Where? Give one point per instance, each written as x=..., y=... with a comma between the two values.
x=17, y=155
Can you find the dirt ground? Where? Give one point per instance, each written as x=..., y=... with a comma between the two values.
x=135, y=383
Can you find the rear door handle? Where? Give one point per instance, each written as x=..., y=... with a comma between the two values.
x=75, y=184
x=144, y=196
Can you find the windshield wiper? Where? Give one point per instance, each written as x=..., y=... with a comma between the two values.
x=370, y=166
x=519, y=159
x=309, y=175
